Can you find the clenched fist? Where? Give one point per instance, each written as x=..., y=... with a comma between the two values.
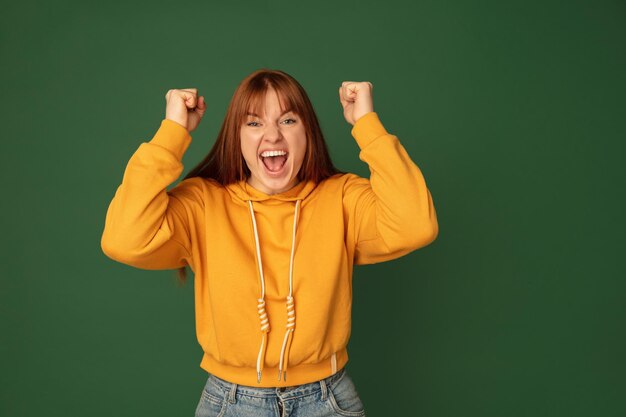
x=356, y=99
x=184, y=108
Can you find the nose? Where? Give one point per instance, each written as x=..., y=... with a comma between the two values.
x=272, y=134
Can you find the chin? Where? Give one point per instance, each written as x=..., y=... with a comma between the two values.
x=279, y=186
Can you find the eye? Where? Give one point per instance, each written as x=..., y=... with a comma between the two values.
x=286, y=120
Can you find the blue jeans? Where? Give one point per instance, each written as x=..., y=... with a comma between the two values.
x=332, y=396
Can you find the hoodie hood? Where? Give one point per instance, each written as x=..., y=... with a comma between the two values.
x=242, y=192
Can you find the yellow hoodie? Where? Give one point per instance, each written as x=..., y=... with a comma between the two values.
x=272, y=273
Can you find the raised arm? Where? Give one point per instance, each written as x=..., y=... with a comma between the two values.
x=391, y=213
x=147, y=226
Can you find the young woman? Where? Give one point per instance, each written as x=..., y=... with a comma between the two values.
x=271, y=230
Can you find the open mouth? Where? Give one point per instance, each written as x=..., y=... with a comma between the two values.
x=274, y=164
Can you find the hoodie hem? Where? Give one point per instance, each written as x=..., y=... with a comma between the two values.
x=296, y=374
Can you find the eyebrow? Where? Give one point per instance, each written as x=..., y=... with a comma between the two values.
x=285, y=112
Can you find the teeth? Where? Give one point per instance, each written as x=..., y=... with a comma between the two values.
x=273, y=153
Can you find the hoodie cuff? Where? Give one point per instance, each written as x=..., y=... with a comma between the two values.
x=172, y=136
x=367, y=128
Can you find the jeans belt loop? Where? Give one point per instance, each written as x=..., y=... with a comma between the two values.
x=323, y=387
x=232, y=395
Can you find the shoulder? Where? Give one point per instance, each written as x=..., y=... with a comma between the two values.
x=196, y=189
x=344, y=182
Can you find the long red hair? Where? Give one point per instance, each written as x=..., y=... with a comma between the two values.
x=225, y=163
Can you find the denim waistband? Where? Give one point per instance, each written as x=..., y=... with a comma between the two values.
x=283, y=392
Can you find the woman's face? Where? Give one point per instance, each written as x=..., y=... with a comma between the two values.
x=273, y=131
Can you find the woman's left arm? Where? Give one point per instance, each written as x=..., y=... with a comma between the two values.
x=392, y=213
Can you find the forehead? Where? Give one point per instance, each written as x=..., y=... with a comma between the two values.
x=254, y=114
x=260, y=100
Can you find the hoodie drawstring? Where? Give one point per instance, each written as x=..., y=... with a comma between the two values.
x=291, y=313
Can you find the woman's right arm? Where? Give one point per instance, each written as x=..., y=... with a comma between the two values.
x=147, y=226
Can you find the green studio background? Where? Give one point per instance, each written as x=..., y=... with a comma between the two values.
x=513, y=110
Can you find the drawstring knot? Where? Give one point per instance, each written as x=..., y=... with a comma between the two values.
x=265, y=328
x=291, y=324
